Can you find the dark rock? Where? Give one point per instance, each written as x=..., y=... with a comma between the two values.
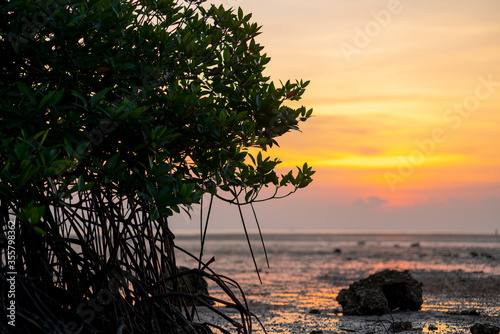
x=415, y=244
x=432, y=328
x=380, y=293
x=484, y=329
x=191, y=283
x=316, y=332
x=314, y=311
x=337, y=251
x=400, y=326
x=487, y=255
x=474, y=254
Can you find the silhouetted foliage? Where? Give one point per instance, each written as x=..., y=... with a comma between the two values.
x=114, y=116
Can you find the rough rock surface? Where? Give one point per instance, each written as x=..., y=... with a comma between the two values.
x=400, y=326
x=484, y=329
x=381, y=293
x=191, y=284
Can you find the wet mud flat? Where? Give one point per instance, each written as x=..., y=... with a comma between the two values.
x=316, y=311
x=461, y=284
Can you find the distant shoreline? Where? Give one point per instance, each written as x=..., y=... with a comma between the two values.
x=339, y=232
x=460, y=272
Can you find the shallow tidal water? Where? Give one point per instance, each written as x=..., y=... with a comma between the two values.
x=307, y=271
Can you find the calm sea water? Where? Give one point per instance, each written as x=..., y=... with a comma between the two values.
x=326, y=252
x=306, y=271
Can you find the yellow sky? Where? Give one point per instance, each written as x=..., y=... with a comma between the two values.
x=406, y=96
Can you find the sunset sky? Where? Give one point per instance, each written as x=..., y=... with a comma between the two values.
x=406, y=98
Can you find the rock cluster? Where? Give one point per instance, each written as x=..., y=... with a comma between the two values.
x=382, y=293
